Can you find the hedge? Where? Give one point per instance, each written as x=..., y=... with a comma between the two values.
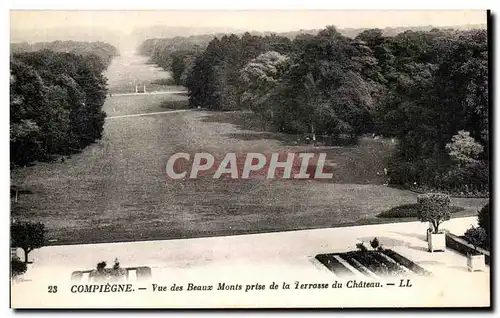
x=409, y=210
x=463, y=247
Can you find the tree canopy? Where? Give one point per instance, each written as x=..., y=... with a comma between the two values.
x=427, y=89
x=28, y=236
x=56, y=100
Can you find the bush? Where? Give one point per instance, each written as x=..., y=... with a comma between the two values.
x=17, y=267
x=467, y=179
x=428, y=175
x=361, y=247
x=103, y=273
x=484, y=220
x=475, y=236
x=462, y=246
x=463, y=148
x=412, y=173
x=409, y=210
x=434, y=208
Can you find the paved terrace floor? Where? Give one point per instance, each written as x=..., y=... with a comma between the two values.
x=284, y=257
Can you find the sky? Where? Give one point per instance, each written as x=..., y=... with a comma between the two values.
x=277, y=20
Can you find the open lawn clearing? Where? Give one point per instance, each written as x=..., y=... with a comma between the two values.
x=117, y=189
x=128, y=69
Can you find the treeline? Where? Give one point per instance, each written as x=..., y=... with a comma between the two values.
x=428, y=89
x=175, y=54
x=103, y=50
x=55, y=102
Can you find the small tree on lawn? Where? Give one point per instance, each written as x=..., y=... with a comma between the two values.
x=475, y=236
x=374, y=243
x=28, y=236
x=434, y=208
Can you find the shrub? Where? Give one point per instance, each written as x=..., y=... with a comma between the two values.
x=374, y=243
x=434, y=208
x=466, y=179
x=361, y=247
x=484, y=220
x=101, y=266
x=463, y=247
x=103, y=273
x=441, y=174
x=463, y=148
x=17, y=267
x=409, y=210
x=475, y=236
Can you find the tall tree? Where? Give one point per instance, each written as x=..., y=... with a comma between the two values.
x=259, y=78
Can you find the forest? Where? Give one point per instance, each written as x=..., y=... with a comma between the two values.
x=57, y=90
x=426, y=89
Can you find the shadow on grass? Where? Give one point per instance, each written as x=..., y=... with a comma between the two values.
x=283, y=138
x=429, y=262
x=461, y=268
x=244, y=120
x=258, y=127
x=175, y=104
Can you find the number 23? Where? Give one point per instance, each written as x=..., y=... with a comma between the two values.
x=52, y=289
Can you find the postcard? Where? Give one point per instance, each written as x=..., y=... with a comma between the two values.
x=250, y=159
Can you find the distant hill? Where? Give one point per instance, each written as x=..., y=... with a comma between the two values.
x=116, y=38
x=122, y=40
x=161, y=31
x=389, y=31
x=104, y=51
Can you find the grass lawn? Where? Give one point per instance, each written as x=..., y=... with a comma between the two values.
x=118, y=190
x=127, y=71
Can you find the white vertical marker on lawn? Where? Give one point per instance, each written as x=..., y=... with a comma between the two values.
x=132, y=276
x=85, y=278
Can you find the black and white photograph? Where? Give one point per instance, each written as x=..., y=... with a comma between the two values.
x=246, y=159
